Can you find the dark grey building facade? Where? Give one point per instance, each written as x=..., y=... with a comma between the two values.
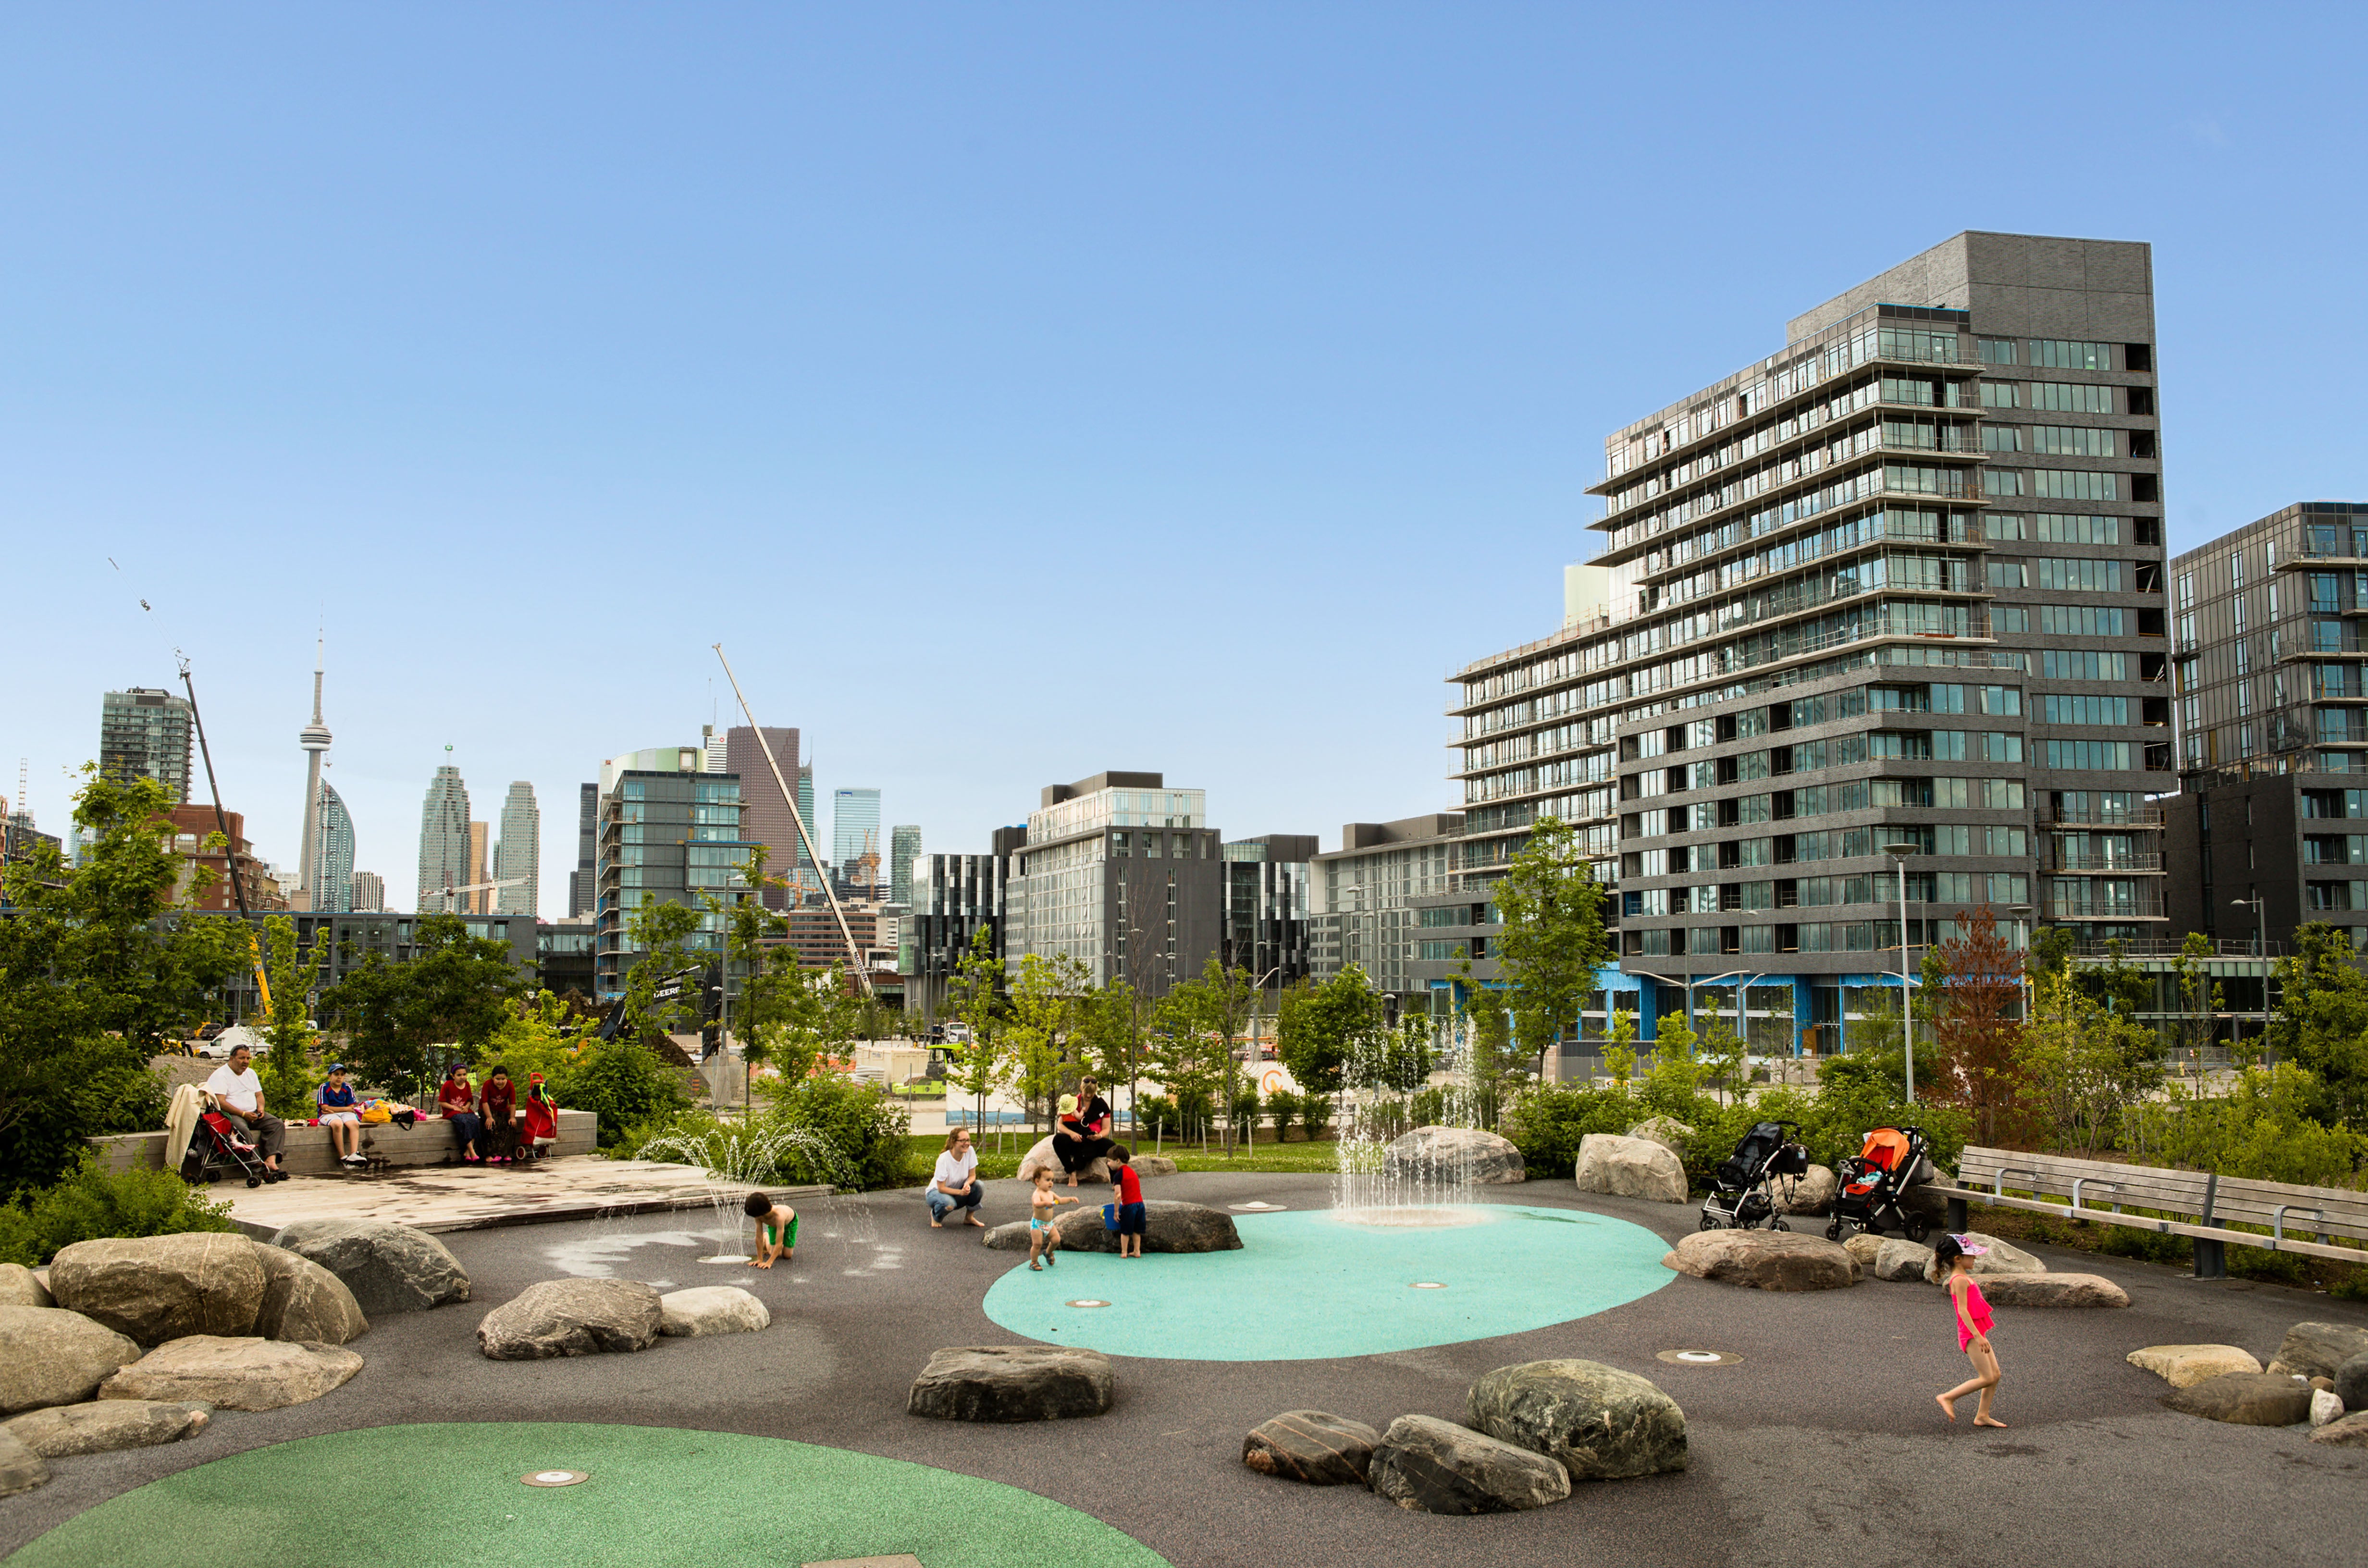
x=1266, y=881
x=954, y=897
x=1122, y=873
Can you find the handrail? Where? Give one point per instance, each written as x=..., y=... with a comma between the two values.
x=2078, y=1182
x=2277, y=1221
x=2005, y=1171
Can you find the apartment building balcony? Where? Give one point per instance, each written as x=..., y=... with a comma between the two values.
x=2141, y=865
x=2140, y=817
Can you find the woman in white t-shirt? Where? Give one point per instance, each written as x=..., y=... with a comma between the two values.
x=954, y=1182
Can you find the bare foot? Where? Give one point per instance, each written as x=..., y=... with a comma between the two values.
x=936, y=1224
x=979, y=1222
x=1988, y=1421
x=1948, y=1405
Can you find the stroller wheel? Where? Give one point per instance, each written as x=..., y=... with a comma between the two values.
x=1778, y=1225
x=255, y=1181
x=1709, y=1221
x=1918, y=1227
x=1834, y=1232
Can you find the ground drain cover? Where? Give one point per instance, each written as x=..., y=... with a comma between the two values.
x=554, y=1478
x=729, y=1258
x=1090, y=1304
x=1699, y=1357
x=1427, y=1285
x=1258, y=1206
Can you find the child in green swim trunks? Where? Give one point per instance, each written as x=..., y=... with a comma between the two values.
x=776, y=1229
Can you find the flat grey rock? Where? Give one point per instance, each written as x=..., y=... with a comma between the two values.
x=1436, y=1467
x=302, y=1301
x=1901, y=1262
x=21, y=1469
x=51, y=1355
x=2054, y=1290
x=2318, y=1350
x=2245, y=1399
x=1168, y=1226
x=1598, y=1422
x=703, y=1309
x=1764, y=1260
x=159, y=1288
x=233, y=1372
x=1455, y=1154
x=389, y=1268
x=104, y=1425
x=1313, y=1445
x=2184, y=1365
x=2344, y=1432
x=2003, y=1257
x=572, y=1317
x=1013, y=1382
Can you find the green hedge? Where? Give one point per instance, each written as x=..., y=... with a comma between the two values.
x=94, y=1203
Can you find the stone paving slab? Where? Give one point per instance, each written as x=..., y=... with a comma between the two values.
x=467, y=1198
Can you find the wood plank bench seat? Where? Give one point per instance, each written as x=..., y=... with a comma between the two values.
x=428, y=1143
x=2316, y=1221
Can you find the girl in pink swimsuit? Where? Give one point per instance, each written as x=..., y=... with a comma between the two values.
x=1955, y=1255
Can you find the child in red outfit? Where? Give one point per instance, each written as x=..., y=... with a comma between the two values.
x=1955, y=1255
x=1131, y=1221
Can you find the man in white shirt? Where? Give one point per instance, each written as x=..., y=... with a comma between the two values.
x=954, y=1182
x=237, y=1093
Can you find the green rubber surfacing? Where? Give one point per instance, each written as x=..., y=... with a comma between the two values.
x=1306, y=1285
x=448, y=1496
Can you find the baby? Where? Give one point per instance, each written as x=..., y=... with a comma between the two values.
x=1043, y=1238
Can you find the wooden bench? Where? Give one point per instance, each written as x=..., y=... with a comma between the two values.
x=428, y=1143
x=2319, y=1221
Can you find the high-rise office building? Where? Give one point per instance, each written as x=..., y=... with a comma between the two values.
x=1367, y=906
x=1123, y=874
x=314, y=889
x=808, y=879
x=582, y=882
x=369, y=892
x=192, y=827
x=669, y=831
x=855, y=839
x=2272, y=698
x=519, y=859
x=144, y=734
x=1266, y=881
x=481, y=844
x=443, y=842
x=767, y=814
x=1890, y=596
x=904, y=848
x=330, y=884
x=952, y=897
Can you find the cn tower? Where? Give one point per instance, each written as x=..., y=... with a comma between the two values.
x=314, y=739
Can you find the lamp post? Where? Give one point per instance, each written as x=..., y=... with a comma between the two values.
x=1899, y=853
x=2260, y=951
x=2022, y=912
x=1257, y=994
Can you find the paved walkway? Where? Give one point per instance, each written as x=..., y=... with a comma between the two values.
x=581, y=1187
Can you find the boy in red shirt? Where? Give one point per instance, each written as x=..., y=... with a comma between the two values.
x=1128, y=1191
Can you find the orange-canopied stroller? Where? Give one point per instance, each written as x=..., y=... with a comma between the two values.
x=1873, y=1182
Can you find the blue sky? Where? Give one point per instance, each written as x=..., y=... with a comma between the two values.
x=1016, y=390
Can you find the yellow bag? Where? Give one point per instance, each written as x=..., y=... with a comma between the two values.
x=378, y=1111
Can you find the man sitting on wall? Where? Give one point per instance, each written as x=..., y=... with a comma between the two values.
x=237, y=1093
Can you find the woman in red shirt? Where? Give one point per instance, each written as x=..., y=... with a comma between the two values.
x=498, y=1106
x=456, y=1102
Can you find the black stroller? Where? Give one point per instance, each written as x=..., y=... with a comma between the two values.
x=1873, y=1182
x=1744, y=1189
x=215, y=1147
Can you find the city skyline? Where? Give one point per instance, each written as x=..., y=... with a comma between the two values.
x=1048, y=321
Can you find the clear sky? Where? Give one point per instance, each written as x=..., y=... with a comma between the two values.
x=1016, y=390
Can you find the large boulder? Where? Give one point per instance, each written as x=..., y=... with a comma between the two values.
x=1149, y=1165
x=1900, y=1261
x=1666, y=1131
x=2184, y=1365
x=2345, y=1431
x=703, y=1309
x=572, y=1317
x=2053, y=1290
x=21, y=1469
x=1313, y=1445
x=1436, y=1467
x=20, y=1287
x=1039, y=1157
x=233, y=1372
x=1012, y=1383
x=2318, y=1350
x=1865, y=1246
x=161, y=1287
x=50, y=1355
x=1455, y=1154
x=2003, y=1257
x=2246, y=1398
x=389, y=1268
x=302, y=1301
x=1812, y=1192
x=1168, y=1226
x=1630, y=1167
x=1600, y=1423
x=107, y=1425
x=1764, y=1260
x=2349, y=1383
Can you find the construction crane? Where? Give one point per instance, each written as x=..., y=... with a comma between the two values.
x=449, y=893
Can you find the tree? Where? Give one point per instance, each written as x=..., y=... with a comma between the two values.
x=978, y=977
x=99, y=969
x=1400, y=1061
x=2082, y=1063
x=1202, y=1017
x=457, y=990
x=1320, y=1029
x=2200, y=1000
x=1109, y=1034
x=287, y=1072
x=1554, y=939
x=2321, y=1022
x=2051, y=950
x=662, y=991
x=1619, y=1045
x=1973, y=1006
x=1047, y=1006
x=1492, y=1057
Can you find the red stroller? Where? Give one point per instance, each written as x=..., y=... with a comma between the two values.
x=215, y=1146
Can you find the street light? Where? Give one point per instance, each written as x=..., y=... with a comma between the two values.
x=1257, y=994
x=2023, y=936
x=1899, y=853
x=2261, y=950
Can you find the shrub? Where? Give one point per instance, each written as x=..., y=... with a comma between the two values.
x=1315, y=1113
x=1193, y=1108
x=1245, y=1111
x=94, y=1202
x=867, y=1128
x=623, y=1083
x=1154, y=1110
x=108, y=1089
x=1282, y=1106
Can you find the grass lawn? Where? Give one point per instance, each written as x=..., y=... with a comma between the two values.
x=1321, y=1155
